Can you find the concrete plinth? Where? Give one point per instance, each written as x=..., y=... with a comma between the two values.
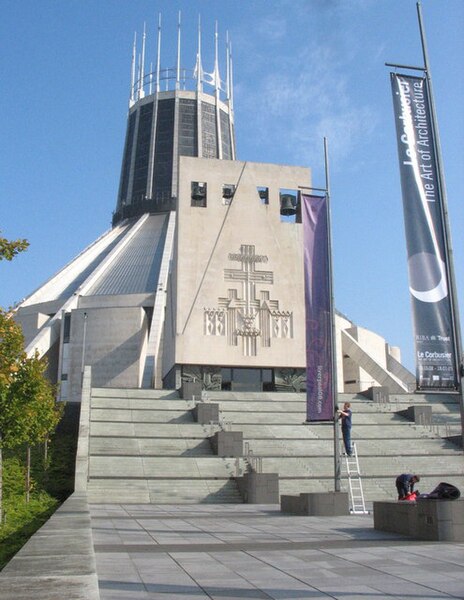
x=437, y=520
x=259, y=488
x=191, y=390
x=421, y=415
x=320, y=504
x=228, y=443
x=205, y=413
x=378, y=393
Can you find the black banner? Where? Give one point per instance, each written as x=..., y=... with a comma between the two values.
x=427, y=256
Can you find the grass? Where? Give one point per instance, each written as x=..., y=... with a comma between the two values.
x=22, y=520
x=51, y=484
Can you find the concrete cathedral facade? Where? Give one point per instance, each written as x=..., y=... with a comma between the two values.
x=201, y=276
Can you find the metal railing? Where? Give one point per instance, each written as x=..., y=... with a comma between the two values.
x=255, y=463
x=444, y=429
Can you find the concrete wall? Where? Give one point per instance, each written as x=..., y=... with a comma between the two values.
x=208, y=270
x=115, y=339
x=346, y=369
x=209, y=294
x=30, y=323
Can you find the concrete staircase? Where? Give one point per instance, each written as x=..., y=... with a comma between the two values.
x=144, y=446
x=388, y=444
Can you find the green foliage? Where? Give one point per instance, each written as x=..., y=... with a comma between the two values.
x=29, y=413
x=28, y=409
x=32, y=402
x=10, y=248
x=22, y=519
x=51, y=484
x=11, y=349
x=14, y=473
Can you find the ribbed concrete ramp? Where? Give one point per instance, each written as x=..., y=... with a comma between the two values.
x=145, y=447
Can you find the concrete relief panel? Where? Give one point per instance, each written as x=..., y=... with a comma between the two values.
x=244, y=316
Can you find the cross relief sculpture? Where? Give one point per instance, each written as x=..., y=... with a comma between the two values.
x=248, y=316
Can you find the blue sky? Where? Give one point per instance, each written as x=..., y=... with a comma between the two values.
x=303, y=69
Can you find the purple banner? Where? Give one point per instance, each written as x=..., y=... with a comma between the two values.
x=436, y=360
x=319, y=376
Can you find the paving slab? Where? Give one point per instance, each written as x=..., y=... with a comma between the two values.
x=225, y=552
x=228, y=552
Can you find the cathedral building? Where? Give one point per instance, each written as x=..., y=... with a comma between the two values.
x=201, y=276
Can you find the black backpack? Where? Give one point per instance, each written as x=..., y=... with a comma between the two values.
x=444, y=491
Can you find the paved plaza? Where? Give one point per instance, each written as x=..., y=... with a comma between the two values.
x=224, y=552
x=228, y=552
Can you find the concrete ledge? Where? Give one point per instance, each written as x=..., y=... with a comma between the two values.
x=204, y=413
x=81, y=473
x=227, y=443
x=321, y=504
x=437, y=520
x=58, y=561
x=259, y=488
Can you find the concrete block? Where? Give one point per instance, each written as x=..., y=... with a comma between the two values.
x=191, y=390
x=204, y=413
x=436, y=520
x=228, y=443
x=259, y=488
x=378, y=393
x=421, y=415
x=317, y=504
x=326, y=504
x=291, y=504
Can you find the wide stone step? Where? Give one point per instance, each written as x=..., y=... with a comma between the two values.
x=387, y=465
x=272, y=406
x=168, y=466
x=150, y=446
x=387, y=430
x=316, y=447
x=141, y=416
x=219, y=396
x=141, y=430
x=426, y=465
x=168, y=491
x=299, y=418
x=134, y=393
x=141, y=403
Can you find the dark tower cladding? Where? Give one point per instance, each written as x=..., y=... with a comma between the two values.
x=172, y=112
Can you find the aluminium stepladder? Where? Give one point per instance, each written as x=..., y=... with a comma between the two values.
x=357, y=503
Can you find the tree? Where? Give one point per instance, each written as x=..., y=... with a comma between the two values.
x=33, y=391
x=10, y=248
x=28, y=409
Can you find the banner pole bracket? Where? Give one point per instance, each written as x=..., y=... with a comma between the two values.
x=397, y=66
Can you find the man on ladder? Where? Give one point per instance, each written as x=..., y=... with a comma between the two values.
x=357, y=503
x=345, y=416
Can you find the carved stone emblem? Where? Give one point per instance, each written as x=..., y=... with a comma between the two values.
x=248, y=316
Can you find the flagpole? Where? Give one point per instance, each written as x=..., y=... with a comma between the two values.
x=336, y=431
x=331, y=318
x=459, y=366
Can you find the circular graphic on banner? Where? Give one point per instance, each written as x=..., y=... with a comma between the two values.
x=427, y=277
